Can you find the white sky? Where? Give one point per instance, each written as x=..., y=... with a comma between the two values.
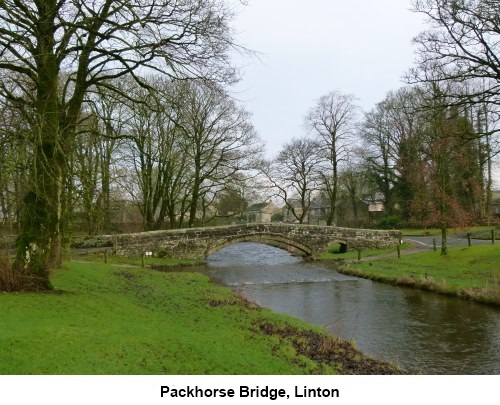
x=311, y=47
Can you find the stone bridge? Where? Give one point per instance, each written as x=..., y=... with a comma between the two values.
x=198, y=243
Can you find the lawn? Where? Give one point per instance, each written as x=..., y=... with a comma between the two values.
x=105, y=319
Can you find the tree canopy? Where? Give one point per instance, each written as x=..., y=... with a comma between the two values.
x=53, y=53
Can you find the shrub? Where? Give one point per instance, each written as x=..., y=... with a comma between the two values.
x=389, y=222
x=278, y=217
x=14, y=279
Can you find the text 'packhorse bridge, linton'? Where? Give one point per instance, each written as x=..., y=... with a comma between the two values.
x=198, y=243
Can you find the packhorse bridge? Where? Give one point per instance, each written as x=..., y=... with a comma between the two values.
x=198, y=243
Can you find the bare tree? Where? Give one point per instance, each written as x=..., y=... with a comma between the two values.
x=461, y=51
x=218, y=140
x=333, y=120
x=391, y=134
x=188, y=141
x=93, y=156
x=450, y=166
x=110, y=116
x=294, y=176
x=352, y=185
x=162, y=175
x=53, y=51
x=13, y=163
x=462, y=44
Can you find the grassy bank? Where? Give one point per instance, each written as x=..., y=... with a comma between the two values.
x=332, y=252
x=468, y=272
x=104, y=319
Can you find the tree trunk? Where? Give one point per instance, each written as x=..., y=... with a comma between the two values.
x=195, y=196
x=331, y=214
x=332, y=193
x=39, y=245
x=444, y=241
x=107, y=147
x=194, y=203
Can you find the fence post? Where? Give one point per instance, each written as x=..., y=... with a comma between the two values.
x=105, y=256
x=434, y=244
x=468, y=238
x=492, y=236
x=359, y=254
x=142, y=259
x=399, y=251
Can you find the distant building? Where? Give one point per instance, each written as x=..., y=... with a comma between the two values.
x=495, y=208
x=262, y=212
x=287, y=212
x=348, y=213
x=318, y=211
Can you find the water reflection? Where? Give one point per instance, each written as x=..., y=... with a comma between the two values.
x=423, y=332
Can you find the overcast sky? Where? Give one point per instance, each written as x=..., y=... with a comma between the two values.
x=309, y=48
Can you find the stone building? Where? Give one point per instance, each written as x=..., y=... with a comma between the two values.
x=261, y=212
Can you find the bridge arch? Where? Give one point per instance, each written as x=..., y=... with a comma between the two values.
x=277, y=241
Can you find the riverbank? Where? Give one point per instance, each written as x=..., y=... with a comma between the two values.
x=106, y=319
x=467, y=272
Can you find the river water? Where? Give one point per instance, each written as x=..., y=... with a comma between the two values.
x=421, y=332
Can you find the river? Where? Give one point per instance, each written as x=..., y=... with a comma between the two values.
x=422, y=332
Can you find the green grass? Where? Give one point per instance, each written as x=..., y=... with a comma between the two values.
x=332, y=252
x=104, y=319
x=470, y=272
